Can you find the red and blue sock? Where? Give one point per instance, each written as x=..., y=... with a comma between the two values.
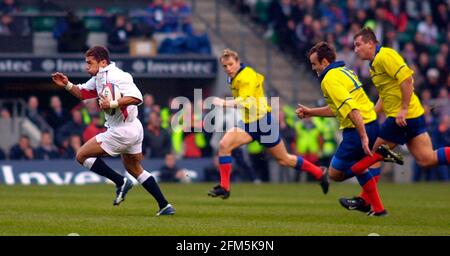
x=305, y=165
x=376, y=175
x=225, y=171
x=443, y=155
x=369, y=185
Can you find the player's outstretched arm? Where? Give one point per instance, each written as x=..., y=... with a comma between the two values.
x=304, y=111
x=224, y=103
x=62, y=81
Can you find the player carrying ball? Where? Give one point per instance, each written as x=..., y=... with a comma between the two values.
x=124, y=134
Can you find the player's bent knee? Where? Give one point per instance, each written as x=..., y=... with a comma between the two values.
x=336, y=175
x=224, y=146
x=80, y=157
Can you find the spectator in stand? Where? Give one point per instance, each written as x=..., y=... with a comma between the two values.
x=94, y=128
x=442, y=107
x=425, y=97
x=47, y=150
x=146, y=109
x=74, y=144
x=390, y=39
x=4, y=114
x=282, y=23
x=361, y=18
x=74, y=126
x=442, y=17
x=22, y=150
x=396, y=15
x=432, y=82
x=303, y=32
x=179, y=17
x=351, y=11
x=57, y=116
x=416, y=9
x=157, y=12
x=419, y=43
x=429, y=30
x=423, y=63
x=157, y=141
x=32, y=113
x=119, y=35
x=71, y=34
x=409, y=53
x=9, y=6
x=444, y=50
x=170, y=172
x=12, y=26
x=441, y=66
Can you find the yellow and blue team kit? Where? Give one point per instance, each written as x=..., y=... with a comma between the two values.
x=247, y=88
x=388, y=71
x=343, y=93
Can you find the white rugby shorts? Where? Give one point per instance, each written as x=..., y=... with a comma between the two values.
x=124, y=139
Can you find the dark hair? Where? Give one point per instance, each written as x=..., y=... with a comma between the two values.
x=367, y=35
x=324, y=51
x=99, y=53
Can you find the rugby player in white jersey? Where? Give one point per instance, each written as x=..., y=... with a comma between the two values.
x=124, y=134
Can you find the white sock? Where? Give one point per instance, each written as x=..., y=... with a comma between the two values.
x=144, y=176
x=88, y=163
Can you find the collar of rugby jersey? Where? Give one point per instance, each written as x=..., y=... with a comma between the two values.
x=107, y=68
x=335, y=64
x=377, y=50
x=229, y=79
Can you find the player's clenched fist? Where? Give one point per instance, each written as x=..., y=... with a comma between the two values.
x=60, y=79
x=302, y=111
x=104, y=103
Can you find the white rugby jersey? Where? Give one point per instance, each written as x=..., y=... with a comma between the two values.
x=124, y=81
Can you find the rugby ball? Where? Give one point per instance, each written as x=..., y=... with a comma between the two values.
x=111, y=92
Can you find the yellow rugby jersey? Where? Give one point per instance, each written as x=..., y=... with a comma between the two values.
x=343, y=92
x=248, y=91
x=388, y=70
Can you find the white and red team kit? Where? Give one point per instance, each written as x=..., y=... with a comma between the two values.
x=124, y=132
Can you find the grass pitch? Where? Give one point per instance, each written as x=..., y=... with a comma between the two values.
x=258, y=210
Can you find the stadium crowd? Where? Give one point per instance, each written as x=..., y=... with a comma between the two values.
x=171, y=20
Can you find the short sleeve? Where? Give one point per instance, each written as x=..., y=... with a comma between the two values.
x=340, y=97
x=126, y=85
x=395, y=66
x=88, y=90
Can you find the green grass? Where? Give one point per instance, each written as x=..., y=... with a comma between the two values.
x=260, y=210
